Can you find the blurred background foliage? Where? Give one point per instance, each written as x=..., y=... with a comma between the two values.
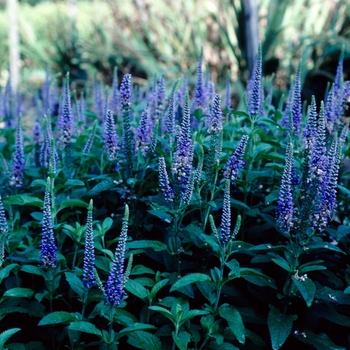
x=164, y=37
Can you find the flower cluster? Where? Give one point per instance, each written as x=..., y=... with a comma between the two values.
x=18, y=166
x=66, y=116
x=254, y=96
x=164, y=183
x=110, y=136
x=215, y=118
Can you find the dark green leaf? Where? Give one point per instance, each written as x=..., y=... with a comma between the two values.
x=164, y=312
x=143, y=244
x=161, y=215
x=34, y=270
x=6, y=271
x=342, y=232
x=23, y=199
x=306, y=287
x=75, y=283
x=222, y=346
x=102, y=186
x=72, y=203
x=159, y=285
x=281, y=262
x=256, y=277
x=234, y=320
x=319, y=341
x=135, y=327
x=190, y=279
x=140, y=270
x=181, y=340
x=280, y=327
x=19, y=293
x=84, y=326
x=6, y=335
x=57, y=317
x=144, y=340
x=74, y=182
x=137, y=289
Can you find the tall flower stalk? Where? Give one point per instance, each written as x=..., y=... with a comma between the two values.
x=18, y=166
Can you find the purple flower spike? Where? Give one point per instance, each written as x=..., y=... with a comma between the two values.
x=225, y=226
x=48, y=249
x=296, y=102
x=115, y=283
x=66, y=118
x=182, y=165
x=199, y=93
x=115, y=97
x=285, y=207
x=338, y=81
x=164, y=183
x=169, y=122
x=329, y=110
x=18, y=166
x=235, y=163
x=89, y=279
x=110, y=136
x=98, y=98
x=310, y=130
x=3, y=222
x=143, y=134
x=254, y=104
x=215, y=118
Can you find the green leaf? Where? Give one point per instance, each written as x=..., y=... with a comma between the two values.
x=159, y=285
x=344, y=190
x=164, y=312
x=84, y=326
x=280, y=327
x=23, y=199
x=342, y=232
x=144, y=244
x=104, y=185
x=144, y=340
x=233, y=265
x=306, y=287
x=38, y=183
x=190, y=279
x=323, y=246
x=181, y=340
x=140, y=270
x=194, y=313
x=234, y=320
x=6, y=335
x=256, y=277
x=19, y=293
x=135, y=327
x=6, y=271
x=72, y=203
x=74, y=182
x=57, y=317
x=137, y=289
x=222, y=346
x=282, y=263
x=34, y=270
x=75, y=283
x=319, y=341
x=161, y=215
x=303, y=269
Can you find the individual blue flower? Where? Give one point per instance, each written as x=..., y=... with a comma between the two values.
x=235, y=163
x=254, y=102
x=225, y=227
x=115, y=283
x=110, y=136
x=215, y=117
x=285, y=207
x=164, y=183
x=18, y=166
x=48, y=249
x=89, y=279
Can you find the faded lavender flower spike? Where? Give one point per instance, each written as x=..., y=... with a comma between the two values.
x=235, y=163
x=225, y=226
x=296, y=102
x=48, y=249
x=115, y=282
x=66, y=118
x=215, y=118
x=143, y=133
x=110, y=136
x=18, y=166
x=89, y=279
x=199, y=94
x=164, y=183
x=254, y=104
x=90, y=140
x=285, y=206
x=310, y=130
x=3, y=222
